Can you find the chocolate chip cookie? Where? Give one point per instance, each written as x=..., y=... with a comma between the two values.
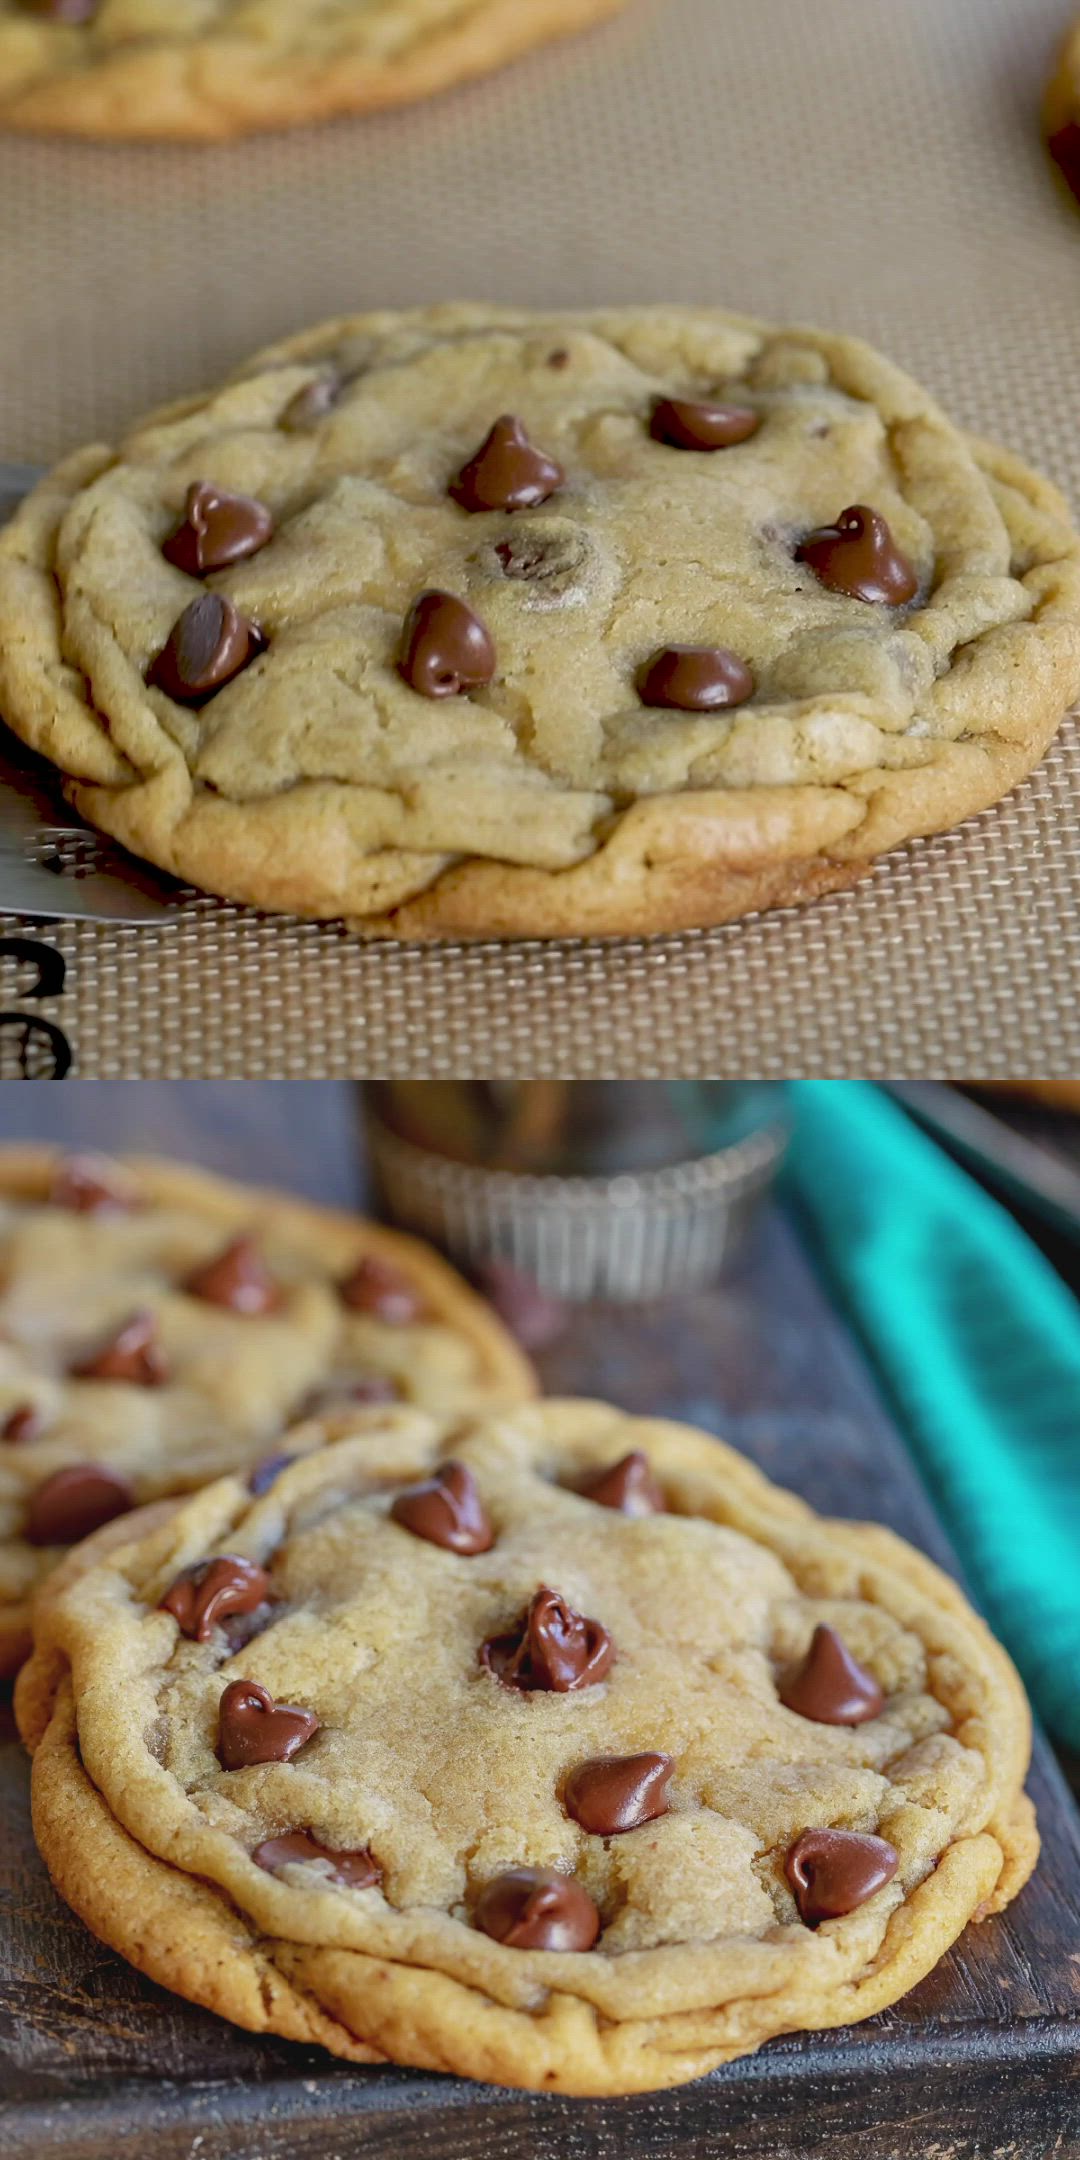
x=146, y=68
x=159, y=1327
x=563, y=1751
x=475, y=623
x=1062, y=111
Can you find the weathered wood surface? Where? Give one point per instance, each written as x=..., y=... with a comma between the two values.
x=981, y=2063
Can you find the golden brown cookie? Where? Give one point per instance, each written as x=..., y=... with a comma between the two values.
x=583, y=1760
x=148, y=69
x=159, y=1327
x=476, y=623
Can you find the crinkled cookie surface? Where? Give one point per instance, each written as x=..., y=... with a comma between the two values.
x=214, y=68
x=315, y=1307
x=564, y=789
x=422, y=1777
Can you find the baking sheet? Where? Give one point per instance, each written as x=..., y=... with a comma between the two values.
x=876, y=169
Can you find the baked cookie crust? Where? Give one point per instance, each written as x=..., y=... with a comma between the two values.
x=233, y=1381
x=550, y=800
x=130, y=71
x=447, y=1778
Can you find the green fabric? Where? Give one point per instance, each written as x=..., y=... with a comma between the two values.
x=978, y=1343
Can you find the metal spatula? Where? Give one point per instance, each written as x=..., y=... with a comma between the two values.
x=51, y=865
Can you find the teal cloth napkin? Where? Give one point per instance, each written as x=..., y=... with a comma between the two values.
x=977, y=1341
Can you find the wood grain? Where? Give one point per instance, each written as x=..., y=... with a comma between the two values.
x=982, y=2062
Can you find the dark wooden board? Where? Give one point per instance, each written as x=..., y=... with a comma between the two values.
x=982, y=2062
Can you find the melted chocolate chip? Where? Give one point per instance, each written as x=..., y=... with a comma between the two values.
x=208, y=645
x=533, y=1318
x=240, y=1629
x=535, y=1909
x=446, y=1510
x=205, y=1594
x=217, y=529
x=629, y=1486
x=446, y=649
x=353, y=1870
x=613, y=1793
x=859, y=557
x=266, y=1472
x=549, y=556
x=312, y=403
x=560, y=358
x=91, y=1185
x=508, y=472
x=253, y=1728
x=830, y=1686
x=376, y=1286
x=237, y=1278
x=552, y=1649
x=131, y=1354
x=833, y=1871
x=25, y=1422
x=687, y=424
x=695, y=678
x=74, y=1502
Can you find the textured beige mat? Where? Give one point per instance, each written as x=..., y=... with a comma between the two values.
x=869, y=167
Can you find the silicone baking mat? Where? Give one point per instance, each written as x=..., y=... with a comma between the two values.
x=876, y=168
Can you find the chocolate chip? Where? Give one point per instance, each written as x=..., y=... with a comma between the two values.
x=446, y=649
x=831, y=1872
x=532, y=1317
x=560, y=358
x=447, y=1510
x=376, y=1286
x=312, y=403
x=549, y=556
x=685, y=424
x=629, y=1486
x=353, y=1870
x=695, y=678
x=208, y=645
x=131, y=1354
x=237, y=1278
x=253, y=1728
x=204, y=1594
x=552, y=1649
x=91, y=1185
x=508, y=472
x=217, y=529
x=535, y=1909
x=829, y=1686
x=613, y=1793
x=64, y=11
x=371, y=1390
x=1065, y=150
x=25, y=1422
x=75, y=1501
x=266, y=1472
x=859, y=557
